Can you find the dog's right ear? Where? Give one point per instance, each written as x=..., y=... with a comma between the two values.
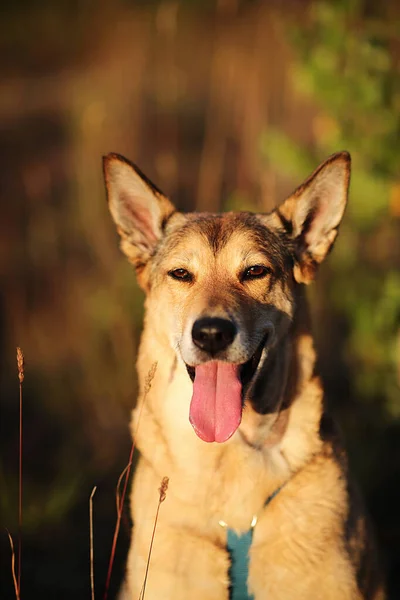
x=140, y=211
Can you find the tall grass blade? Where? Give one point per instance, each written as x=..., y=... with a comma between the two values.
x=163, y=495
x=126, y=472
x=21, y=375
x=91, y=541
x=13, y=566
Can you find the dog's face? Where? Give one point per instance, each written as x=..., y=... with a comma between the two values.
x=223, y=287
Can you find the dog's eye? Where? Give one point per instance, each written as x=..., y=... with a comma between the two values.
x=255, y=272
x=181, y=275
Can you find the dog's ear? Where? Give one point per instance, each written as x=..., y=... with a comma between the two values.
x=312, y=214
x=140, y=211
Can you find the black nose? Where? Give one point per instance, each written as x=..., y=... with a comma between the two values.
x=213, y=334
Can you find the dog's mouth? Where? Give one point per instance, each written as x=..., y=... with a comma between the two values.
x=218, y=394
x=247, y=370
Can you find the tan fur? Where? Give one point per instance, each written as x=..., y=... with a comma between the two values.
x=303, y=545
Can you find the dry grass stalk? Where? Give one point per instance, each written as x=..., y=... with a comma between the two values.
x=120, y=499
x=21, y=376
x=149, y=379
x=163, y=495
x=16, y=588
x=20, y=363
x=91, y=540
x=118, y=495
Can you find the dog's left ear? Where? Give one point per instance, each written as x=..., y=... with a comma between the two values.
x=312, y=214
x=139, y=209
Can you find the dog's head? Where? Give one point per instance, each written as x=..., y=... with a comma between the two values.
x=222, y=287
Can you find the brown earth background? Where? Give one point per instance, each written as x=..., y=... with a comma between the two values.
x=224, y=104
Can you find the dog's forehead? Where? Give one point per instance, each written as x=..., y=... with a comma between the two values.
x=240, y=233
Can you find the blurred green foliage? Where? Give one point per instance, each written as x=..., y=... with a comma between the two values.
x=345, y=64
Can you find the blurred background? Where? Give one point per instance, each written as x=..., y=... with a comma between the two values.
x=225, y=104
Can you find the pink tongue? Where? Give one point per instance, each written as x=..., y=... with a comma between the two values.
x=216, y=407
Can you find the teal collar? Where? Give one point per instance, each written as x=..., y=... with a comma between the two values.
x=238, y=547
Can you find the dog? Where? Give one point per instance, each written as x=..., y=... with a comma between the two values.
x=235, y=414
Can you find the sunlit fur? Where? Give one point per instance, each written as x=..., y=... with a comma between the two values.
x=312, y=540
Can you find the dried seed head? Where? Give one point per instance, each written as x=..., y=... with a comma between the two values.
x=150, y=377
x=20, y=363
x=163, y=488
